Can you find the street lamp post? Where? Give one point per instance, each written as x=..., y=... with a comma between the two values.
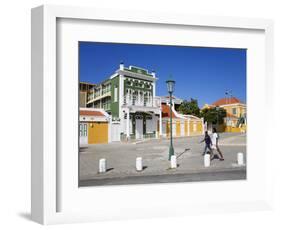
x=170, y=86
x=217, y=109
x=226, y=97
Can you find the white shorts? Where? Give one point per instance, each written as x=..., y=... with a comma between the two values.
x=214, y=147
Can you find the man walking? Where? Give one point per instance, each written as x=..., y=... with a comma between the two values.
x=215, y=143
x=208, y=142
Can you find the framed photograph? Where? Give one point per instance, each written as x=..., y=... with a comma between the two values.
x=142, y=114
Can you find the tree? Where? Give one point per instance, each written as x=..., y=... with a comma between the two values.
x=214, y=115
x=190, y=107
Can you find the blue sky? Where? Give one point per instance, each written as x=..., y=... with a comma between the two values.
x=201, y=73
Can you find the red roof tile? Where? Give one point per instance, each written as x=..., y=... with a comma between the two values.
x=226, y=101
x=91, y=113
x=166, y=111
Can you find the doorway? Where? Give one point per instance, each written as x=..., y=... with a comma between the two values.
x=139, y=127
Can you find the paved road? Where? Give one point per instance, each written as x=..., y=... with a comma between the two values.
x=121, y=159
x=174, y=178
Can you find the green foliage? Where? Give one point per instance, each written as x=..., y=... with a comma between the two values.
x=213, y=115
x=190, y=107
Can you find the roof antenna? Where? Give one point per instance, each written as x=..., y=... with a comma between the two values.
x=230, y=92
x=226, y=96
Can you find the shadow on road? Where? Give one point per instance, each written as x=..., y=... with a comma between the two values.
x=182, y=153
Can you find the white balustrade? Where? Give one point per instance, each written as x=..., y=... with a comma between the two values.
x=139, y=100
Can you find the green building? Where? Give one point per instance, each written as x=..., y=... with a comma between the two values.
x=129, y=96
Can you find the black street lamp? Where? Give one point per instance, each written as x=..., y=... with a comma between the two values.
x=217, y=109
x=226, y=99
x=171, y=87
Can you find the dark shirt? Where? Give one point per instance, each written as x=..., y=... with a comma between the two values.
x=207, y=140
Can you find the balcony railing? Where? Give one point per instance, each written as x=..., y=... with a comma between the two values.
x=136, y=100
x=95, y=97
x=106, y=107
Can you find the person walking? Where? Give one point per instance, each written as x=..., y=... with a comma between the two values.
x=215, y=143
x=208, y=142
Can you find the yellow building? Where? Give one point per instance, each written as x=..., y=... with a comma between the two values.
x=94, y=126
x=236, y=113
x=183, y=125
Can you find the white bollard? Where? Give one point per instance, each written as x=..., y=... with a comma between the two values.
x=102, y=165
x=173, y=162
x=139, y=164
x=207, y=160
x=240, y=158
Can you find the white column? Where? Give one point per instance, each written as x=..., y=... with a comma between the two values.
x=203, y=126
x=121, y=93
x=128, y=99
x=160, y=123
x=154, y=93
x=139, y=99
x=182, y=127
x=109, y=128
x=188, y=127
x=128, y=124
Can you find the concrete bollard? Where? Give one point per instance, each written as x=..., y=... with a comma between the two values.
x=139, y=164
x=240, y=158
x=173, y=162
x=207, y=160
x=102, y=165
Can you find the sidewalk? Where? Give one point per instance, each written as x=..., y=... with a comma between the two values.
x=237, y=140
x=121, y=157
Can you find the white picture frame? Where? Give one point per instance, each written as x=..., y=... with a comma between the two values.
x=55, y=195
